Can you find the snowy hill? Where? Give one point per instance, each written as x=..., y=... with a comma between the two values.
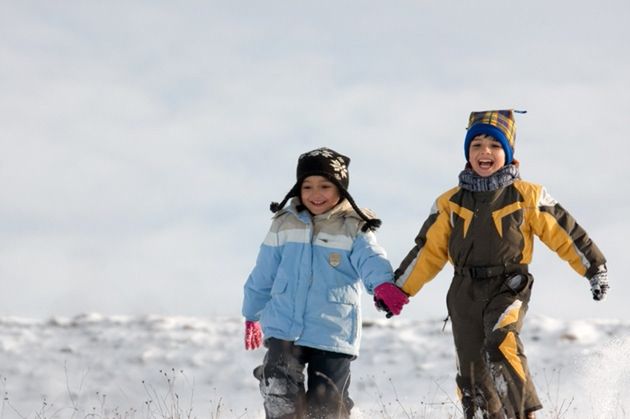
x=156, y=366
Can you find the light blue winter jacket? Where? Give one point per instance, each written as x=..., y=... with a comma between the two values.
x=306, y=287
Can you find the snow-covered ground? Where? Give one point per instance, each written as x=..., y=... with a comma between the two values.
x=157, y=367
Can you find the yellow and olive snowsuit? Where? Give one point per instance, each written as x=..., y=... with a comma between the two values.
x=488, y=237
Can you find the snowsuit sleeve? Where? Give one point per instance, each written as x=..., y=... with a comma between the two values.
x=257, y=288
x=561, y=233
x=427, y=258
x=370, y=261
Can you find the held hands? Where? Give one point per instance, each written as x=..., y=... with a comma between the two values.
x=253, y=335
x=599, y=284
x=388, y=297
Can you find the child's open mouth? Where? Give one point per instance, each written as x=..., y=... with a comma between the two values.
x=485, y=164
x=318, y=203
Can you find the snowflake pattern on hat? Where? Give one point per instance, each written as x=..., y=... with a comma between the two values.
x=324, y=152
x=337, y=162
x=341, y=171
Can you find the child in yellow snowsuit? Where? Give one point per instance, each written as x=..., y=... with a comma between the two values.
x=485, y=227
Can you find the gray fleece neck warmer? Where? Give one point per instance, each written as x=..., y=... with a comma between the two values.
x=505, y=176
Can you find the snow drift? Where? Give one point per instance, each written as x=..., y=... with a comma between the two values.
x=152, y=366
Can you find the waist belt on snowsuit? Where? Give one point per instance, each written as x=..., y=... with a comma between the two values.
x=480, y=272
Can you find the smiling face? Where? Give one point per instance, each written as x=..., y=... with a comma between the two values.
x=318, y=194
x=486, y=155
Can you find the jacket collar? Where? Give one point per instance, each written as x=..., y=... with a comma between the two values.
x=342, y=209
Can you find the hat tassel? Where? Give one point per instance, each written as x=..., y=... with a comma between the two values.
x=275, y=207
x=371, y=224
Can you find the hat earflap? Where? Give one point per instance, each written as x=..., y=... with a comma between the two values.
x=275, y=206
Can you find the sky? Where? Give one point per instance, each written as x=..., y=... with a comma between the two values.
x=143, y=141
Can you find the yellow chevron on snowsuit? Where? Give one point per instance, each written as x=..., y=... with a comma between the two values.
x=509, y=349
x=509, y=345
x=509, y=316
x=516, y=214
x=466, y=214
x=498, y=216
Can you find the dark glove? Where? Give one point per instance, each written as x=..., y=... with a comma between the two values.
x=389, y=298
x=599, y=284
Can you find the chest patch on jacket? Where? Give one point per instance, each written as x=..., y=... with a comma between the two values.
x=334, y=259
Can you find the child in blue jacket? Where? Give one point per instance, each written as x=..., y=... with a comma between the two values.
x=304, y=294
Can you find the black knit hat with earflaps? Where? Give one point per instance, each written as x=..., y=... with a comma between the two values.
x=334, y=167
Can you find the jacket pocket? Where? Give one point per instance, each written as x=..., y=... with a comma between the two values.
x=519, y=282
x=344, y=294
x=341, y=312
x=279, y=285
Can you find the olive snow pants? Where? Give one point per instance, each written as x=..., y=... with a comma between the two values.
x=487, y=316
x=282, y=382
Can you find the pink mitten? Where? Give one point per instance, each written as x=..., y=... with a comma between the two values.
x=391, y=297
x=253, y=335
